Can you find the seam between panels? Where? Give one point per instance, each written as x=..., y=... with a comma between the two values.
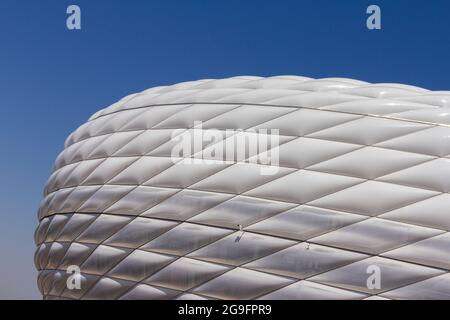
x=196, y=294
x=299, y=280
x=321, y=108
x=243, y=85
x=382, y=293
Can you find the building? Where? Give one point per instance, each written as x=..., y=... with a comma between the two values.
x=253, y=188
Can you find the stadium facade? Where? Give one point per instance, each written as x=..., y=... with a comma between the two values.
x=284, y=187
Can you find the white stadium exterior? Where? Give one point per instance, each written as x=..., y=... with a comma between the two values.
x=284, y=187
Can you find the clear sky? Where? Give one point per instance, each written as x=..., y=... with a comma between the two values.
x=53, y=79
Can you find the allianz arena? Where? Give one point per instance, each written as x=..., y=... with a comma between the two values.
x=353, y=203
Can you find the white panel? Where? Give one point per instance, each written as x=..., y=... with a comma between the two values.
x=370, y=163
x=372, y=198
x=138, y=232
x=108, y=169
x=103, y=259
x=108, y=289
x=139, y=265
x=304, y=260
x=375, y=236
x=140, y=199
x=393, y=274
x=432, y=212
x=434, y=252
x=305, y=121
x=434, y=141
x=437, y=288
x=306, y=290
x=303, y=152
x=185, y=238
x=304, y=222
x=431, y=175
x=245, y=117
x=142, y=170
x=185, y=204
x=185, y=173
x=370, y=130
x=241, y=284
x=239, y=248
x=103, y=227
x=303, y=186
x=240, y=211
x=184, y=273
x=250, y=175
x=145, y=292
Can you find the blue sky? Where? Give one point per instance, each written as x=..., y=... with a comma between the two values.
x=53, y=79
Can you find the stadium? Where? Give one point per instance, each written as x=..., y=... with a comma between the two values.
x=284, y=187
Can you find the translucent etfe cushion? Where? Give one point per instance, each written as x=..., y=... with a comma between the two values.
x=304, y=260
x=306, y=290
x=241, y=284
x=362, y=275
